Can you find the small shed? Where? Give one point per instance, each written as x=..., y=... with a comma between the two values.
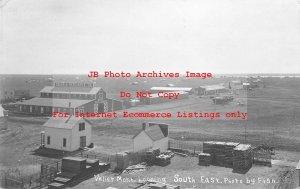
x=152, y=135
x=68, y=134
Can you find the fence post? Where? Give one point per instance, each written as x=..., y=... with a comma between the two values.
x=56, y=166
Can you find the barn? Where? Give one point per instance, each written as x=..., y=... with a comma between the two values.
x=211, y=90
x=152, y=135
x=68, y=134
x=69, y=97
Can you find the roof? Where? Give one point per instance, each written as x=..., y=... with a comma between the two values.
x=212, y=87
x=171, y=88
x=154, y=132
x=53, y=102
x=155, y=95
x=74, y=90
x=63, y=123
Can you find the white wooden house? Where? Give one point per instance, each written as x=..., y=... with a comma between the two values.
x=68, y=134
x=152, y=135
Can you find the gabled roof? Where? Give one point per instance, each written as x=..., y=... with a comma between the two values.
x=74, y=90
x=154, y=132
x=55, y=102
x=64, y=123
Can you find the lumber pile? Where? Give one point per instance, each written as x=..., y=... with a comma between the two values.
x=163, y=160
x=242, y=157
x=157, y=186
x=74, y=168
x=221, y=152
x=169, y=153
x=229, y=146
x=151, y=156
x=135, y=168
x=73, y=165
x=204, y=159
x=93, y=163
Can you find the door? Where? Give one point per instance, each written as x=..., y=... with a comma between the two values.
x=82, y=141
x=100, y=107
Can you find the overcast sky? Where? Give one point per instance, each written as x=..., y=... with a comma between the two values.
x=218, y=36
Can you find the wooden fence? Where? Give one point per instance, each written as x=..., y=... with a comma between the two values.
x=178, y=145
x=48, y=171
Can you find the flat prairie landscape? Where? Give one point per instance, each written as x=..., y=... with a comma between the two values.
x=273, y=117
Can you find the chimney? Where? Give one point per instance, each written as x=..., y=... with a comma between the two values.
x=144, y=126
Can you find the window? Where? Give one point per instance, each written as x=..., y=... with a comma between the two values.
x=30, y=108
x=64, y=142
x=81, y=126
x=48, y=139
x=42, y=110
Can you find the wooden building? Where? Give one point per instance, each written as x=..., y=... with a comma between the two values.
x=71, y=98
x=152, y=135
x=68, y=134
x=211, y=90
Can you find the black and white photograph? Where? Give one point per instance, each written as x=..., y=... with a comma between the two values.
x=150, y=94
